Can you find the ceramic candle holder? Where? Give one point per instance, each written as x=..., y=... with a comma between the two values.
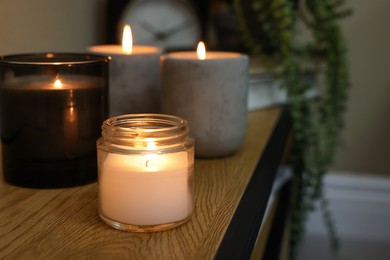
x=211, y=94
x=134, y=79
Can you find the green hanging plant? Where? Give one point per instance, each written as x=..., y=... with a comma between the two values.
x=270, y=28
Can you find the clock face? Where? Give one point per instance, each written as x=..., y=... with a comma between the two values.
x=168, y=24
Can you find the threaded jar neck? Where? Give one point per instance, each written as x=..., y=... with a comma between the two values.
x=145, y=131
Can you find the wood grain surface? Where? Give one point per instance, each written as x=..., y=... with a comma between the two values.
x=64, y=223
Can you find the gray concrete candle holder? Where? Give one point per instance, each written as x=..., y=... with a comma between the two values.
x=211, y=94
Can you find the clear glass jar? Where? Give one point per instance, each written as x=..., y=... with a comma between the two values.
x=145, y=170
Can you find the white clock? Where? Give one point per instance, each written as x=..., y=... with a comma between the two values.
x=168, y=24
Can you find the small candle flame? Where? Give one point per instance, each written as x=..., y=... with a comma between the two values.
x=201, y=51
x=152, y=156
x=149, y=159
x=57, y=84
x=127, y=39
x=151, y=145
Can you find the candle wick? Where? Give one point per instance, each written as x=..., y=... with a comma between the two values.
x=147, y=163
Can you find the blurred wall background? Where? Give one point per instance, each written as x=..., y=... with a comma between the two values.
x=72, y=25
x=50, y=25
x=366, y=138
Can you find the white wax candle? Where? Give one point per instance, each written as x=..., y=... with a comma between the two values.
x=134, y=85
x=211, y=93
x=145, y=189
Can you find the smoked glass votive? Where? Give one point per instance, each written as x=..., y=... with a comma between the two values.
x=51, y=108
x=145, y=165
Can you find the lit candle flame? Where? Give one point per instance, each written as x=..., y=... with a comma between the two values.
x=127, y=40
x=201, y=51
x=149, y=159
x=152, y=156
x=57, y=84
x=151, y=145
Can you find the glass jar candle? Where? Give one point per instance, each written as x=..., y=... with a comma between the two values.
x=145, y=170
x=51, y=108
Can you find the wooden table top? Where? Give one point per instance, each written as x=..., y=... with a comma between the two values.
x=64, y=223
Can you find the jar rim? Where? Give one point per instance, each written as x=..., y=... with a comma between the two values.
x=146, y=132
x=133, y=125
x=53, y=59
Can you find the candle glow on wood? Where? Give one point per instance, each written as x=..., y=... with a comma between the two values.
x=201, y=51
x=127, y=40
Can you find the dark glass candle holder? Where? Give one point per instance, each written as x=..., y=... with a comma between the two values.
x=51, y=109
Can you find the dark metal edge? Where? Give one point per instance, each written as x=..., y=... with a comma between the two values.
x=243, y=229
